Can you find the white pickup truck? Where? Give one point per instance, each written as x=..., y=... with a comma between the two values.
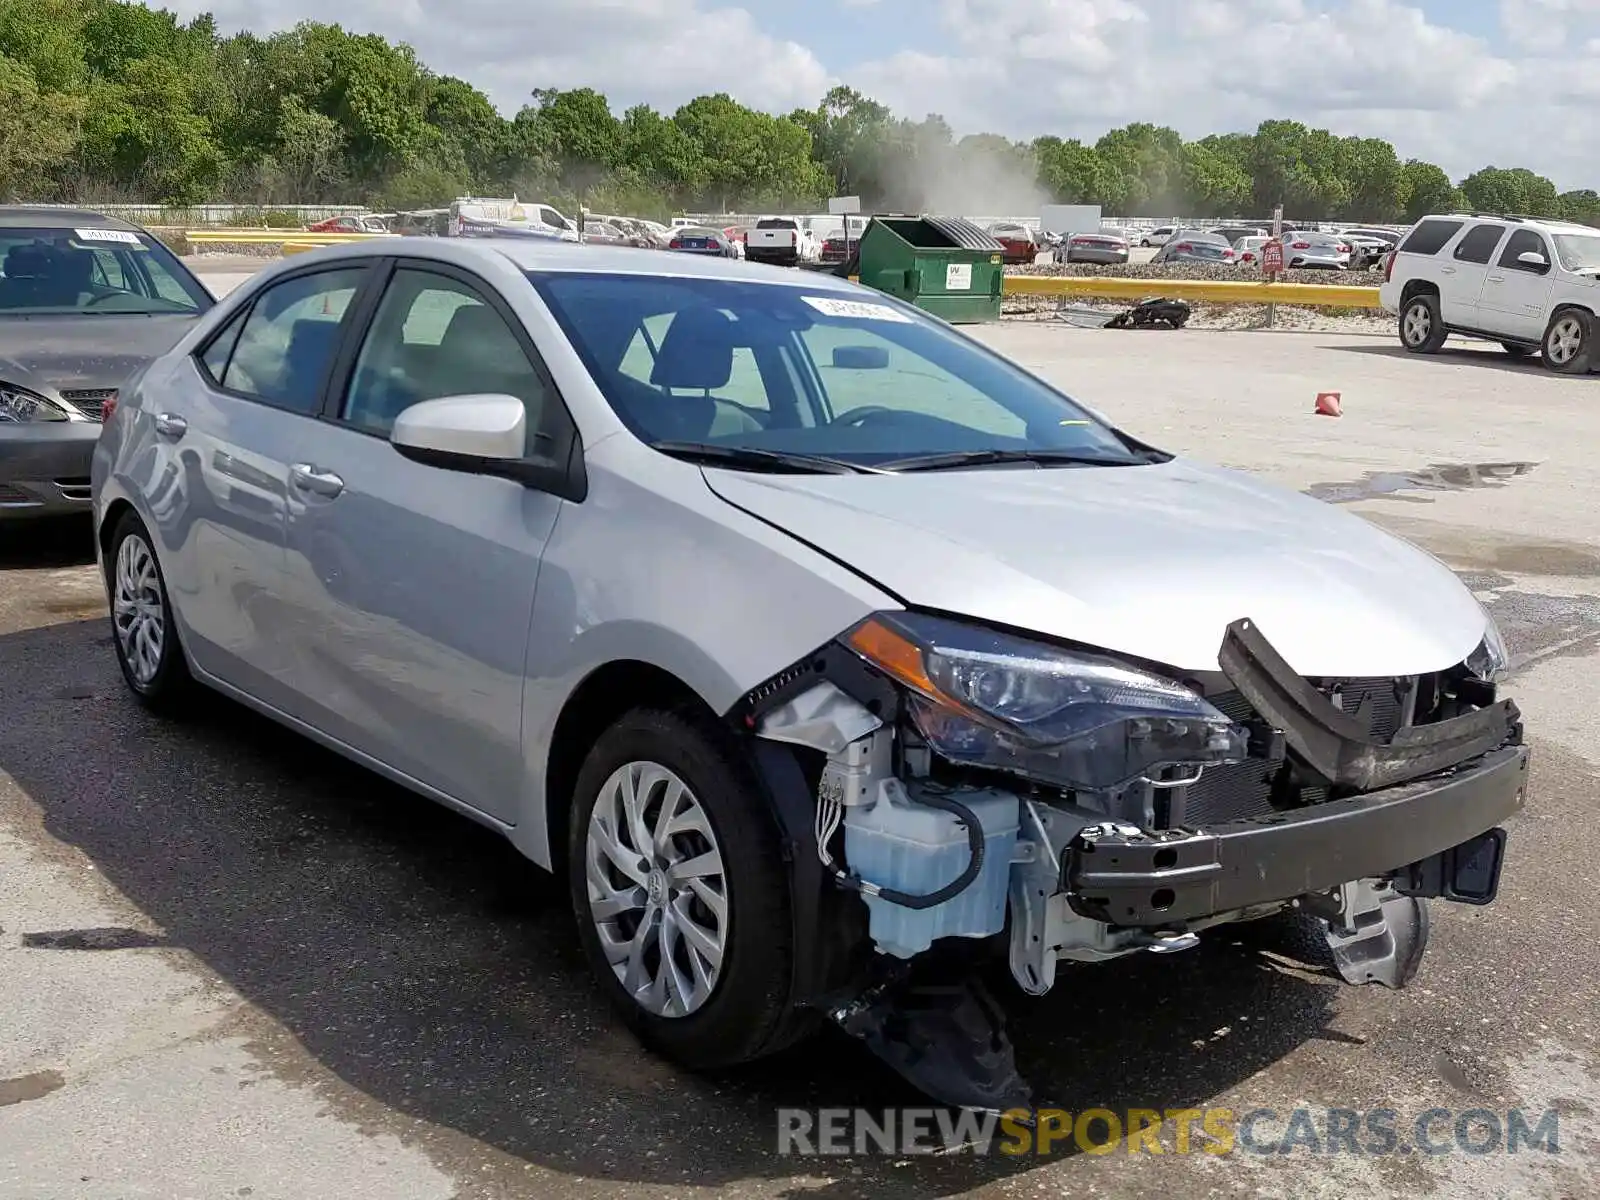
x=777, y=240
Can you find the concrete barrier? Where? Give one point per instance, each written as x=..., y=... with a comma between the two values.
x=1209, y=291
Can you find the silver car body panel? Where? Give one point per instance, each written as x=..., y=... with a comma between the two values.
x=435, y=627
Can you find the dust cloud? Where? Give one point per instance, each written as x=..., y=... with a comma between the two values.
x=975, y=183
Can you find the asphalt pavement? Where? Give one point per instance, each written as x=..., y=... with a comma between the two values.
x=232, y=964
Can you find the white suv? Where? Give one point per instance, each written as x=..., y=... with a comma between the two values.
x=1530, y=284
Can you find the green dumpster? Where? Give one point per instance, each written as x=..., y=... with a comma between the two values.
x=946, y=265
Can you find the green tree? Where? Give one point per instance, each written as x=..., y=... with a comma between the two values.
x=1425, y=188
x=1582, y=206
x=37, y=130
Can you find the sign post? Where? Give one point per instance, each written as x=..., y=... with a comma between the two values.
x=1272, y=258
x=845, y=206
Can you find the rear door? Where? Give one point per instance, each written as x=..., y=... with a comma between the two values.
x=1463, y=272
x=416, y=582
x=220, y=497
x=1516, y=294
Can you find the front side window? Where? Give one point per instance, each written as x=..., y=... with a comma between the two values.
x=790, y=369
x=93, y=271
x=433, y=336
x=1524, y=241
x=290, y=337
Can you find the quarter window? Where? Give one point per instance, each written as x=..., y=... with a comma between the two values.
x=1430, y=237
x=1478, y=246
x=435, y=336
x=215, y=356
x=289, y=339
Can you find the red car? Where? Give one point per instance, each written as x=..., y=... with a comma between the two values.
x=348, y=224
x=1021, y=247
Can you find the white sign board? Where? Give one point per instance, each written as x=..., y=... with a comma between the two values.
x=958, y=277
x=844, y=204
x=1070, y=218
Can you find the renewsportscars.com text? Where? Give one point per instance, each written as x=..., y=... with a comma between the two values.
x=1217, y=1131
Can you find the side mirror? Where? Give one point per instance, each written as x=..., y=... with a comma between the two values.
x=1532, y=258
x=463, y=431
x=860, y=358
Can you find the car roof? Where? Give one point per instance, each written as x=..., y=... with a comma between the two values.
x=553, y=257
x=49, y=216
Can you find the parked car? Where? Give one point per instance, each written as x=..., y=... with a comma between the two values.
x=85, y=300
x=1194, y=246
x=1021, y=247
x=351, y=223
x=798, y=683
x=775, y=240
x=691, y=239
x=1531, y=285
x=1104, y=246
x=1247, y=250
x=739, y=236
x=604, y=233
x=1304, y=250
x=1158, y=236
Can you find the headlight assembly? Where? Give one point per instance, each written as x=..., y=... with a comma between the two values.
x=1489, y=661
x=1072, y=719
x=21, y=407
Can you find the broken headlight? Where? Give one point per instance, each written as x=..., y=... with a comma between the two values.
x=1069, y=718
x=1489, y=661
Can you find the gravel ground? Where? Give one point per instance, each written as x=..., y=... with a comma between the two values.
x=1208, y=316
x=1195, y=271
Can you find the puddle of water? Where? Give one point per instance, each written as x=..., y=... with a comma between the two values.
x=1441, y=477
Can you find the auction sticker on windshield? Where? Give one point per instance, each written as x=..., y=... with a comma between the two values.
x=829, y=306
x=121, y=236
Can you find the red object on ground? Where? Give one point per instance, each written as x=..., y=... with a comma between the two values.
x=1327, y=404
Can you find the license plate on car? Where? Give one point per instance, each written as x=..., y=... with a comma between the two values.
x=694, y=243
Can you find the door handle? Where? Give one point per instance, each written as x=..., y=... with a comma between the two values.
x=308, y=479
x=1447, y=270
x=1497, y=279
x=170, y=426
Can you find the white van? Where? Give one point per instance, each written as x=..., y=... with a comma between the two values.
x=472, y=216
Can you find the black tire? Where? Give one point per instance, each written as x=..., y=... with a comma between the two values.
x=747, y=1015
x=1421, y=327
x=170, y=688
x=1568, y=346
x=1516, y=351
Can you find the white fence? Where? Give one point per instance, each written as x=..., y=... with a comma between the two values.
x=214, y=214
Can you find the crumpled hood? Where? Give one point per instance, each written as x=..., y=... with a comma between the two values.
x=1152, y=561
x=72, y=352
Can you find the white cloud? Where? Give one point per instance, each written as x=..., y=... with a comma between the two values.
x=1027, y=67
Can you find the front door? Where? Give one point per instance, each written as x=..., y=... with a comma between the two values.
x=420, y=580
x=1515, y=294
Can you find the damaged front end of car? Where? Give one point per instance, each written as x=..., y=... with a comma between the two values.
x=942, y=783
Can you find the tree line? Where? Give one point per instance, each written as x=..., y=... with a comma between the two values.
x=102, y=100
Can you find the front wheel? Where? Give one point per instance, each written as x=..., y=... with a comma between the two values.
x=680, y=891
x=1422, y=329
x=1568, y=342
x=144, y=632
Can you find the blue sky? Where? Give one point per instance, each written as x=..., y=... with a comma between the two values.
x=1464, y=83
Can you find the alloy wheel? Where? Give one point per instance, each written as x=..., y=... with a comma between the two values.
x=657, y=888
x=1418, y=324
x=137, y=610
x=1564, y=341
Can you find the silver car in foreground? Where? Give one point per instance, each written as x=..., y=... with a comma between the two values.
x=804, y=634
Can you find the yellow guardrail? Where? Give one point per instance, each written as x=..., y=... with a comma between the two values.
x=269, y=237
x=1210, y=291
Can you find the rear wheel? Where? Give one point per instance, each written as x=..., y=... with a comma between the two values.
x=144, y=633
x=1422, y=330
x=680, y=891
x=1568, y=342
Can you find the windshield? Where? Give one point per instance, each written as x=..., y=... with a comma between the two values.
x=775, y=367
x=1578, y=251
x=49, y=272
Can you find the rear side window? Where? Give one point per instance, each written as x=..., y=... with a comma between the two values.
x=1478, y=246
x=288, y=341
x=1430, y=237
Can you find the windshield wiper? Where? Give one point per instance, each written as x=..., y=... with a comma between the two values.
x=746, y=456
x=978, y=458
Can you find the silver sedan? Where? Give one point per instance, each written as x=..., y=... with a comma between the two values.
x=799, y=631
x=1104, y=246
